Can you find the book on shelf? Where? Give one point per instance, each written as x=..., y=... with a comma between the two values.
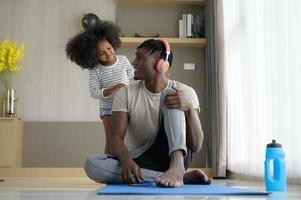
x=183, y=26
x=191, y=26
x=181, y=31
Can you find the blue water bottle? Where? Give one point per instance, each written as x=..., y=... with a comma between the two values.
x=276, y=180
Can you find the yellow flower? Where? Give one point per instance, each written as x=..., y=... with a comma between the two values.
x=10, y=55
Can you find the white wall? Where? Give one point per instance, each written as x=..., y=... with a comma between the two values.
x=49, y=86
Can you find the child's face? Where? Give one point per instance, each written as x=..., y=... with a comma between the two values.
x=105, y=53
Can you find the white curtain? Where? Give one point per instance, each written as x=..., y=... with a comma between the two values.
x=263, y=70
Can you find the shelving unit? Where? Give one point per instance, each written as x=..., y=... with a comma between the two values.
x=184, y=42
x=175, y=41
x=162, y=2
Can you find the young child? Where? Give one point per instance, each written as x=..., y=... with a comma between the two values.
x=94, y=49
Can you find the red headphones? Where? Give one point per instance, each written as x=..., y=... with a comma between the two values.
x=163, y=64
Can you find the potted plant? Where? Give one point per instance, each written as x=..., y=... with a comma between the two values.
x=10, y=55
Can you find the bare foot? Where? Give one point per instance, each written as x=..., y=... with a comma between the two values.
x=196, y=176
x=171, y=178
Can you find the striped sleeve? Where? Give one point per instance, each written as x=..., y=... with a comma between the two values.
x=94, y=84
x=104, y=77
x=130, y=71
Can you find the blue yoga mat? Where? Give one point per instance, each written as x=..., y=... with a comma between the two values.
x=152, y=189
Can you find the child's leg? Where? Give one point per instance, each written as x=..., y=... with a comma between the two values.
x=106, y=123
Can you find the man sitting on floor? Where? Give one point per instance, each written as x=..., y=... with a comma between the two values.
x=155, y=126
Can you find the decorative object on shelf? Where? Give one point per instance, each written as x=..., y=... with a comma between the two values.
x=10, y=55
x=153, y=36
x=10, y=104
x=88, y=20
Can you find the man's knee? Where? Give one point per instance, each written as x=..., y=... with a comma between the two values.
x=166, y=111
x=168, y=90
x=91, y=169
x=103, y=169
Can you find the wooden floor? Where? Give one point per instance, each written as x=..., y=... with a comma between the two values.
x=53, y=172
x=55, y=186
x=82, y=188
x=48, y=182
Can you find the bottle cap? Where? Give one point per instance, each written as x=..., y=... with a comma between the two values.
x=274, y=145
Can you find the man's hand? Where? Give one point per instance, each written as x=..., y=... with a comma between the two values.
x=112, y=90
x=131, y=172
x=177, y=100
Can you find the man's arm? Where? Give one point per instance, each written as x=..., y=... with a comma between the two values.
x=194, y=132
x=130, y=170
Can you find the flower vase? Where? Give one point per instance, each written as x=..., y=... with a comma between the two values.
x=9, y=104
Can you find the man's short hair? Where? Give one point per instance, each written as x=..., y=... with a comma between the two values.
x=156, y=46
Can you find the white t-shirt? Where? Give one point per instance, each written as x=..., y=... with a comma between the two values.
x=143, y=107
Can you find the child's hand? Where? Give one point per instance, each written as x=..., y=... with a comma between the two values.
x=112, y=90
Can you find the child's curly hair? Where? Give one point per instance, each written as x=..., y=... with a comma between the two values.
x=82, y=48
